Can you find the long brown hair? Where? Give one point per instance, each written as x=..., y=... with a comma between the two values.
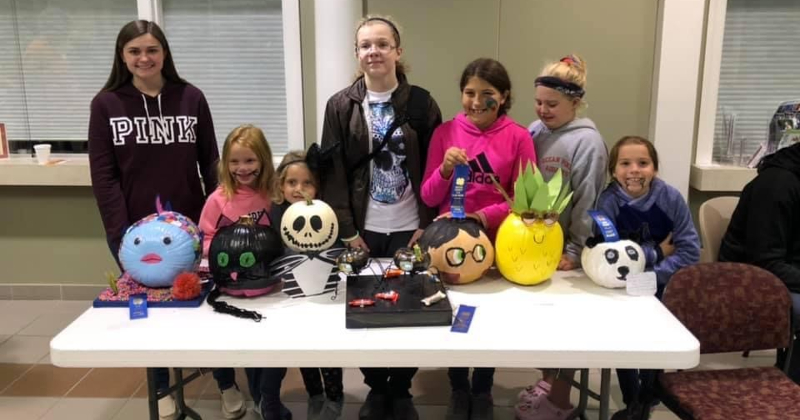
x=120, y=75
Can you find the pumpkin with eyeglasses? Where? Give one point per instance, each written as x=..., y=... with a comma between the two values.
x=460, y=251
x=530, y=241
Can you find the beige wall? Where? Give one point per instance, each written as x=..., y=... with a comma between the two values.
x=54, y=234
x=51, y=235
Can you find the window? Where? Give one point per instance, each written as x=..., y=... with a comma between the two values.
x=233, y=51
x=58, y=55
x=55, y=57
x=757, y=69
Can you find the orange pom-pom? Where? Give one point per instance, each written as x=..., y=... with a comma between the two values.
x=186, y=286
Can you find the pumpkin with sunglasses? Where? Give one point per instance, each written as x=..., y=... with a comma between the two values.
x=460, y=251
x=530, y=241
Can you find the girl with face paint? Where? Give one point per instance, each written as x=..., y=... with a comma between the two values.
x=493, y=146
x=647, y=210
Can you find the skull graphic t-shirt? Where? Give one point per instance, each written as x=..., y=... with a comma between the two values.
x=392, y=206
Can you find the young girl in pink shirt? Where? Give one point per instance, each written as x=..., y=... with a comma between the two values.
x=245, y=176
x=483, y=137
x=494, y=146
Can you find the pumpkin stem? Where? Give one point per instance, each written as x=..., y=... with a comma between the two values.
x=246, y=220
x=307, y=197
x=502, y=191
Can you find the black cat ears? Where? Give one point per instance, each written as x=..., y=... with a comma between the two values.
x=317, y=159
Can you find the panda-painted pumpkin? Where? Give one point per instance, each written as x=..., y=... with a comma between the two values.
x=610, y=263
x=459, y=249
x=240, y=255
x=309, y=226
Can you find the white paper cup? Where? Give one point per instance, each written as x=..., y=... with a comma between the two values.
x=42, y=153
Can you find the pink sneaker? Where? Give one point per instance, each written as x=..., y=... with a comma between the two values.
x=532, y=391
x=540, y=409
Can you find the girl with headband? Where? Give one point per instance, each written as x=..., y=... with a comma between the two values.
x=565, y=141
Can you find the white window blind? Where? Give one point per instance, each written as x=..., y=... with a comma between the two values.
x=759, y=70
x=55, y=57
x=233, y=51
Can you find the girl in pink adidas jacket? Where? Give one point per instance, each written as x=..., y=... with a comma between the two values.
x=486, y=139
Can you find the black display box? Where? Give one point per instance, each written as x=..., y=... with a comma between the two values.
x=408, y=311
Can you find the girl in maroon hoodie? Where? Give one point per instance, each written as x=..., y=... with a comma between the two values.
x=148, y=131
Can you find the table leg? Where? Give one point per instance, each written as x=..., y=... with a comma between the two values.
x=152, y=394
x=183, y=409
x=583, y=400
x=605, y=392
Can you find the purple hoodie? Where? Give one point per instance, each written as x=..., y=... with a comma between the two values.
x=142, y=146
x=495, y=152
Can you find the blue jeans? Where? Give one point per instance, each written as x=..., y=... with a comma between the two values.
x=226, y=378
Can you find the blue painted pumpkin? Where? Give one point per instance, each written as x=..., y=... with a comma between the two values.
x=159, y=247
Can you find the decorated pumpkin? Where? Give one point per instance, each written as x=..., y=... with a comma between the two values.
x=412, y=260
x=352, y=260
x=160, y=246
x=460, y=251
x=610, y=263
x=309, y=226
x=530, y=241
x=240, y=255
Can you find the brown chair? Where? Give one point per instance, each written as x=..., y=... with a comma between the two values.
x=731, y=307
x=713, y=219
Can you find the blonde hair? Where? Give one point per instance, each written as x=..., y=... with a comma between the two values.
x=251, y=137
x=571, y=68
x=295, y=157
x=401, y=68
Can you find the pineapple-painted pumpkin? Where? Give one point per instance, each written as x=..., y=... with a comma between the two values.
x=459, y=249
x=530, y=241
x=309, y=226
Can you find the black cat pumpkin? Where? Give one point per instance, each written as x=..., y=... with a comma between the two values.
x=459, y=249
x=239, y=258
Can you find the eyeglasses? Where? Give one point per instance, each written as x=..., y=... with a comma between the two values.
x=456, y=256
x=381, y=47
x=548, y=218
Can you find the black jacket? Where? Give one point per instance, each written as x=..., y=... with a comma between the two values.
x=765, y=227
x=348, y=193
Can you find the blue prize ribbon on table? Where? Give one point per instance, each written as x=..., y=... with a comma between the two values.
x=607, y=228
x=138, y=306
x=461, y=174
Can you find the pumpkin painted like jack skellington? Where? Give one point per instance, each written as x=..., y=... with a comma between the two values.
x=309, y=226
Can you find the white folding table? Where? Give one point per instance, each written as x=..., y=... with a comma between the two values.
x=567, y=322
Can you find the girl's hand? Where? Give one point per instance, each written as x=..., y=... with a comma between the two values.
x=566, y=264
x=358, y=243
x=474, y=216
x=415, y=237
x=452, y=157
x=667, y=248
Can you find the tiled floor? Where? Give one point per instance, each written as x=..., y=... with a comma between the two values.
x=32, y=389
